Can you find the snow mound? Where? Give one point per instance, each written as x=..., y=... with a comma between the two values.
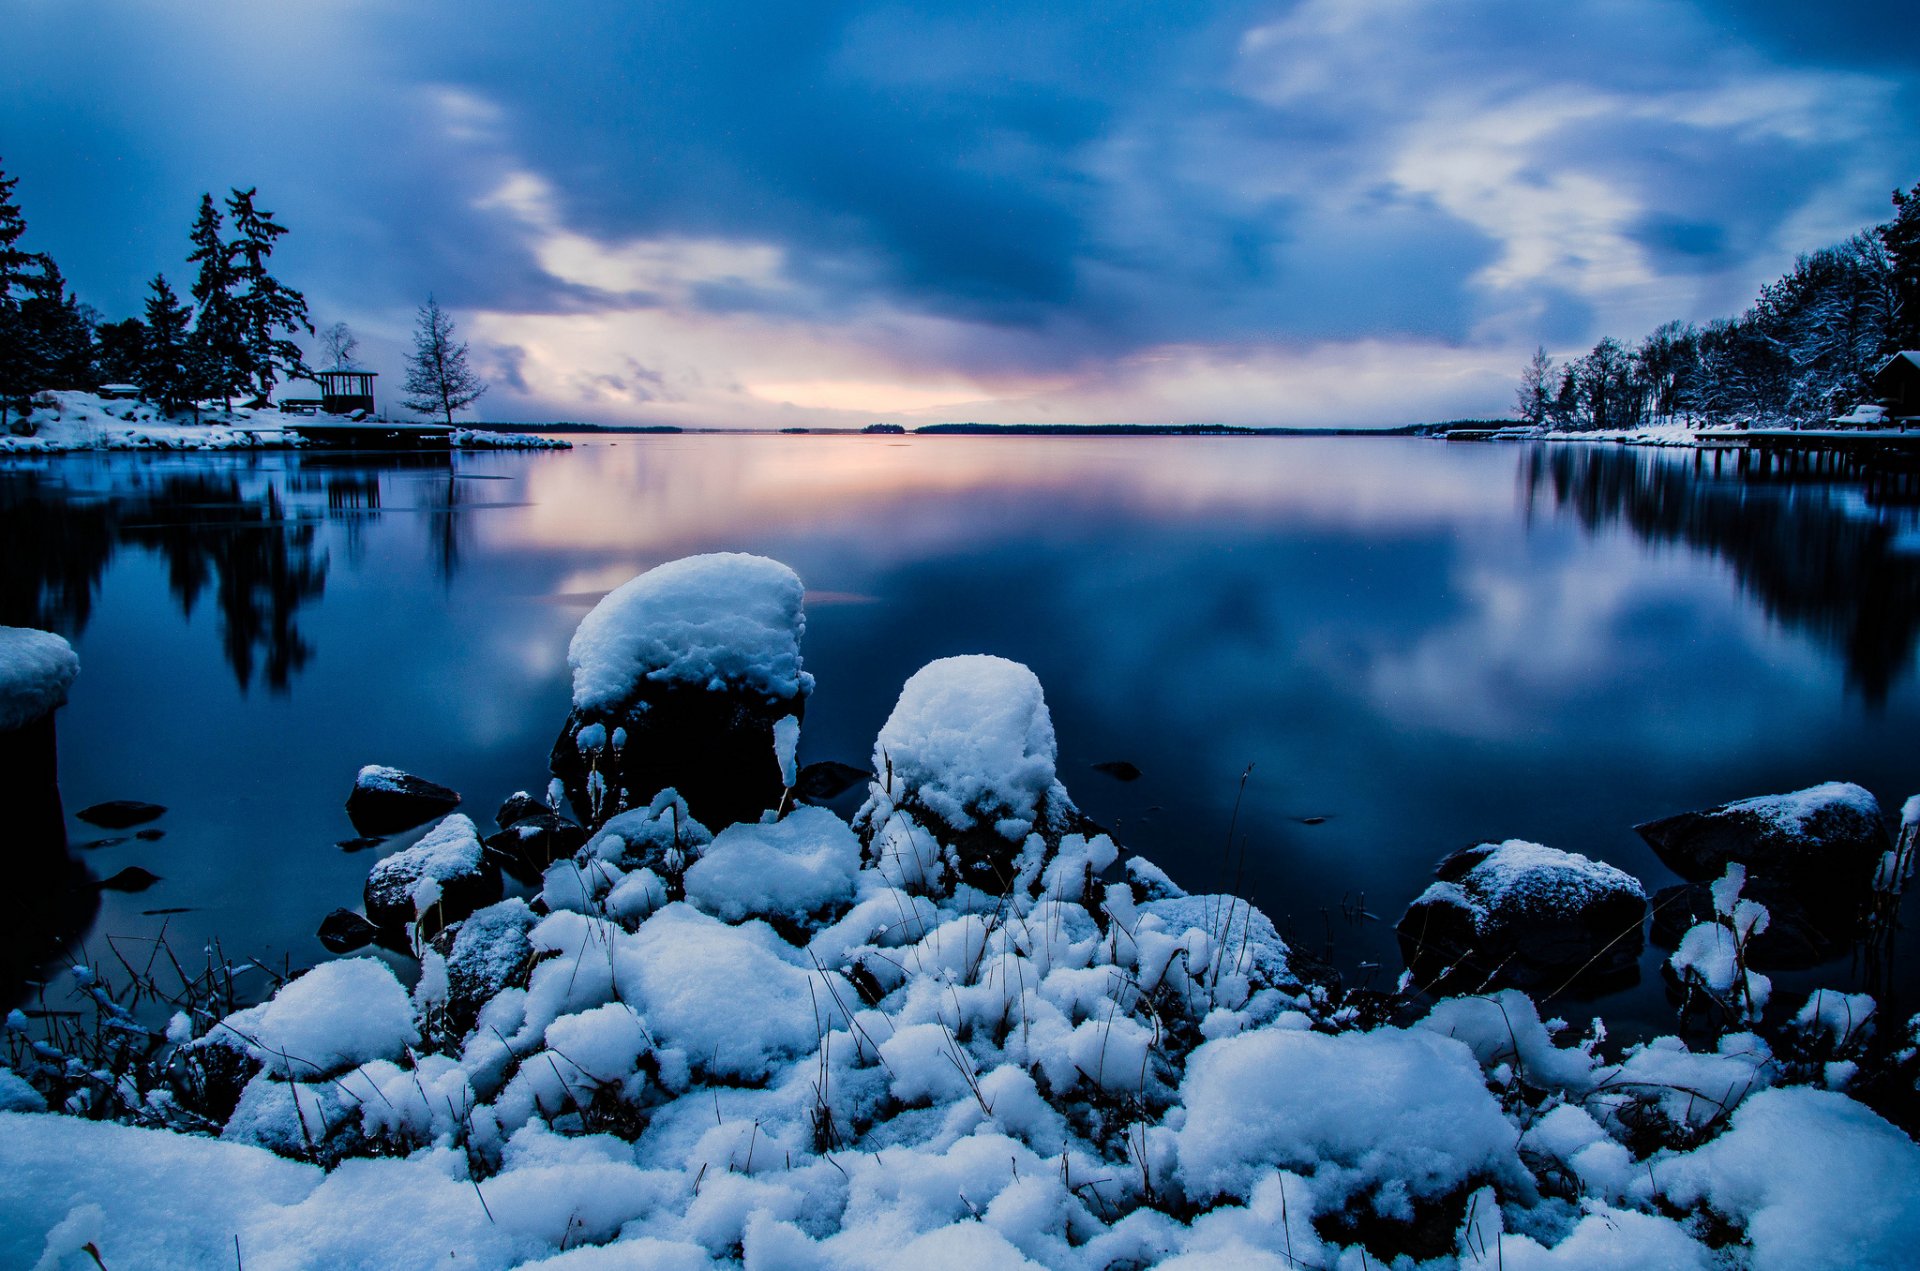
x=336, y=1016
x=1793, y=814
x=36, y=669
x=726, y=620
x=1518, y=877
x=789, y=869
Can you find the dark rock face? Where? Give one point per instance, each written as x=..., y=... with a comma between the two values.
x=343, y=931
x=1827, y=838
x=714, y=746
x=527, y=846
x=120, y=814
x=438, y=881
x=519, y=806
x=1520, y=914
x=386, y=800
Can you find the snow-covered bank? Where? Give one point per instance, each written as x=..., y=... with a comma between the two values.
x=74, y=421
x=960, y=1030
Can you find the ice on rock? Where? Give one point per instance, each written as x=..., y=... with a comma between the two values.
x=338, y=1015
x=724, y=619
x=36, y=670
x=801, y=865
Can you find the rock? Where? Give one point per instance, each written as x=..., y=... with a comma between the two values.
x=526, y=847
x=828, y=780
x=1119, y=770
x=439, y=880
x=95, y=845
x=150, y=835
x=1826, y=838
x=519, y=806
x=486, y=952
x=343, y=931
x=130, y=879
x=967, y=789
x=1521, y=914
x=687, y=677
x=360, y=844
x=120, y=814
x=387, y=800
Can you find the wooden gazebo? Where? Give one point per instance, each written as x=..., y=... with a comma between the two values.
x=343, y=392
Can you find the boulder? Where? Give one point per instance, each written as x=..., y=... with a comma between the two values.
x=967, y=789
x=1826, y=838
x=343, y=931
x=687, y=677
x=386, y=800
x=486, y=952
x=526, y=847
x=439, y=880
x=1520, y=914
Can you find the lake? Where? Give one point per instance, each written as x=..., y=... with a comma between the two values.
x=1426, y=644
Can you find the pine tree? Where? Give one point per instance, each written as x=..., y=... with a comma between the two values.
x=167, y=367
x=1535, y=400
x=265, y=306
x=22, y=278
x=439, y=381
x=120, y=348
x=1901, y=237
x=216, y=332
x=59, y=331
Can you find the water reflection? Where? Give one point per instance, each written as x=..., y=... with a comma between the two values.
x=1825, y=544
x=244, y=535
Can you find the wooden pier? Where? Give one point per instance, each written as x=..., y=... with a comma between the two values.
x=348, y=435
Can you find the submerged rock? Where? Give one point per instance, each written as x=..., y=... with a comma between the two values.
x=687, y=677
x=1119, y=770
x=439, y=880
x=1826, y=838
x=1522, y=914
x=120, y=814
x=130, y=879
x=386, y=800
x=967, y=789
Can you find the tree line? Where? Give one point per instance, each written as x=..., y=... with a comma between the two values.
x=1805, y=350
x=231, y=337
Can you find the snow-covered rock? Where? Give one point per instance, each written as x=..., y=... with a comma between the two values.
x=1825, y=838
x=36, y=670
x=336, y=1016
x=966, y=788
x=441, y=879
x=1524, y=913
x=683, y=677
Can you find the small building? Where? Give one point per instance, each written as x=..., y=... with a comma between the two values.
x=343, y=392
x=1897, y=385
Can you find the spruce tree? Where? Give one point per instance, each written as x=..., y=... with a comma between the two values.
x=1901, y=236
x=21, y=279
x=119, y=350
x=168, y=362
x=216, y=332
x=59, y=331
x=265, y=306
x=439, y=381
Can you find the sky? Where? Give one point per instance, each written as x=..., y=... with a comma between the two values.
x=823, y=214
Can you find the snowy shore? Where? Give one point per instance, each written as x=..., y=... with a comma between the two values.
x=965, y=1029
x=84, y=421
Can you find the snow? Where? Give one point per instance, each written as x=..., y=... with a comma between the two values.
x=794, y=867
x=450, y=850
x=1789, y=813
x=380, y=777
x=1712, y=954
x=336, y=1016
x=36, y=669
x=720, y=621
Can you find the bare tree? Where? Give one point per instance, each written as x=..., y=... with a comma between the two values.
x=439, y=381
x=337, y=347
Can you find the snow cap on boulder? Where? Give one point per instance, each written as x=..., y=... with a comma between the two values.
x=1824, y=836
x=724, y=620
x=36, y=669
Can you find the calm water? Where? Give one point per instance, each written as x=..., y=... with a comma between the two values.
x=1427, y=644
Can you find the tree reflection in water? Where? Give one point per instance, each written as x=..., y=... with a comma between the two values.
x=1828, y=545
x=223, y=531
